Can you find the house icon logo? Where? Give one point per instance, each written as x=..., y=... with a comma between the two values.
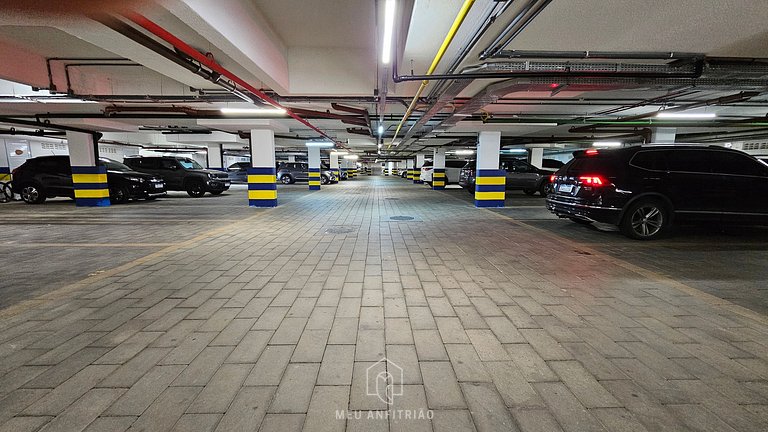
x=384, y=379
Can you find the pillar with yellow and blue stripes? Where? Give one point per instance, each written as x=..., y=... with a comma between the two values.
x=313, y=157
x=5, y=174
x=490, y=181
x=262, y=185
x=91, y=186
x=417, y=169
x=5, y=166
x=439, y=179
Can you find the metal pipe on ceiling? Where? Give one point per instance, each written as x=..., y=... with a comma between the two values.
x=530, y=11
x=182, y=46
x=440, y=52
x=585, y=55
x=724, y=100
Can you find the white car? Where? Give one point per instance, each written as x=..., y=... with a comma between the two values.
x=452, y=171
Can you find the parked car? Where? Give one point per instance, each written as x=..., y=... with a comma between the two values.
x=291, y=172
x=182, y=174
x=645, y=189
x=551, y=164
x=51, y=176
x=238, y=172
x=520, y=176
x=452, y=171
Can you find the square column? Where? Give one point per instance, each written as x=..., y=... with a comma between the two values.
x=490, y=181
x=262, y=187
x=5, y=165
x=391, y=167
x=417, y=169
x=215, y=157
x=409, y=166
x=537, y=157
x=313, y=157
x=439, y=179
x=663, y=135
x=89, y=179
x=334, y=162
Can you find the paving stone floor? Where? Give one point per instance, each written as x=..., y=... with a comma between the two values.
x=280, y=321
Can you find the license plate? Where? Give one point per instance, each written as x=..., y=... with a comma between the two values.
x=565, y=188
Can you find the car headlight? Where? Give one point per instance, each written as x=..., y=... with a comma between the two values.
x=211, y=176
x=135, y=179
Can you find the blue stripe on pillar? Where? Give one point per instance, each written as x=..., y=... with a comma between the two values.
x=90, y=194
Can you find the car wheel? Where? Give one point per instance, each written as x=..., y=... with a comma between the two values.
x=118, y=195
x=529, y=192
x=217, y=192
x=544, y=189
x=470, y=189
x=645, y=219
x=32, y=194
x=195, y=189
x=324, y=180
x=286, y=179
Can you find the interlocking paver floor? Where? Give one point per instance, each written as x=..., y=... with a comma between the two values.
x=281, y=321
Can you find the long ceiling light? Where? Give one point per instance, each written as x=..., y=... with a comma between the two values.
x=606, y=144
x=278, y=111
x=683, y=115
x=389, y=28
x=322, y=144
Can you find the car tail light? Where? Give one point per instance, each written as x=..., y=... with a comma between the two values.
x=591, y=152
x=592, y=180
x=552, y=178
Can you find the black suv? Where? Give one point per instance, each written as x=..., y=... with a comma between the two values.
x=645, y=189
x=291, y=172
x=182, y=174
x=51, y=176
x=520, y=176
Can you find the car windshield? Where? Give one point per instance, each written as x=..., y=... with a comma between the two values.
x=114, y=165
x=189, y=164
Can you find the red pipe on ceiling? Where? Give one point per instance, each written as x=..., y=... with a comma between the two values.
x=211, y=64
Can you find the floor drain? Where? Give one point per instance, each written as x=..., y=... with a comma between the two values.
x=401, y=218
x=340, y=230
x=392, y=199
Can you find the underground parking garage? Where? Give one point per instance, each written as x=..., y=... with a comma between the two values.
x=339, y=215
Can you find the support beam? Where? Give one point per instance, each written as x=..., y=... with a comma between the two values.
x=313, y=157
x=663, y=135
x=89, y=179
x=215, y=156
x=334, y=162
x=439, y=179
x=419, y=163
x=537, y=156
x=490, y=181
x=262, y=187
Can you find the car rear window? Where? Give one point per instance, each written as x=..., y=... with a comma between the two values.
x=653, y=160
x=593, y=164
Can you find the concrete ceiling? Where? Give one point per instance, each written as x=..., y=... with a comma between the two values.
x=310, y=54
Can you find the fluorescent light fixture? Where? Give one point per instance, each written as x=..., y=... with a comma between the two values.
x=606, y=144
x=514, y=150
x=464, y=152
x=381, y=129
x=339, y=153
x=322, y=144
x=683, y=115
x=389, y=29
x=278, y=111
x=462, y=115
x=351, y=157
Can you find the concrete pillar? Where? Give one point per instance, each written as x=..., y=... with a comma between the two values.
x=419, y=163
x=409, y=166
x=313, y=157
x=291, y=158
x=663, y=135
x=89, y=179
x=334, y=163
x=5, y=164
x=215, y=156
x=439, y=180
x=262, y=187
x=490, y=181
x=537, y=157
x=391, y=167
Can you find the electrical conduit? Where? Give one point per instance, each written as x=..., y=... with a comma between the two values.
x=446, y=42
